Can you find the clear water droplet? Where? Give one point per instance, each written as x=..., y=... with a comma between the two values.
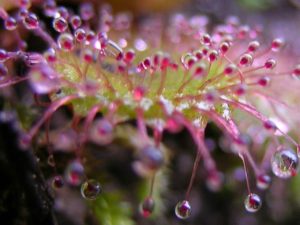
x=252, y=203
x=66, y=42
x=263, y=181
x=31, y=21
x=57, y=182
x=147, y=207
x=75, y=22
x=183, y=209
x=90, y=189
x=60, y=24
x=284, y=163
x=74, y=173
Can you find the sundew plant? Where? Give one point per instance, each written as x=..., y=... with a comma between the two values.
x=82, y=78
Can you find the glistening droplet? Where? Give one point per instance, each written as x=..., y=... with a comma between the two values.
x=183, y=209
x=90, y=189
x=74, y=173
x=252, y=203
x=284, y=163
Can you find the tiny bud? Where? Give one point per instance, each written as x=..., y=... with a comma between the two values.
x=75, y=22
x=264, y=81
x=246, y=60
x=270, y=125
x=129, y=56
x=277, y=44
x=87, y=55
x=270, y=63
x=296, y=71
x=31, y=21
x=230, y=69
x=66, y=42
x=80, y=35
x=206, y=39
x=139, y=93
x=240, y=89
x=86, y=11
x=212, y=55
x=50, y=55
x=224, y=47
x=253, y=46
x=3, y=70
x=10, y=23
x=63, y=12
x=60, y=24
x=3, y=55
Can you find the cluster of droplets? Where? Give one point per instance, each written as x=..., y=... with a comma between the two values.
x=213, y=73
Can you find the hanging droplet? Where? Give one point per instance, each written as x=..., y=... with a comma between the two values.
x=263, y=181
x=31, y=21
x=246, y=60
x=66, y=42
x=252, y=203
x=10, y=23
x=57, y=182
x=147, y=207
x=25, y=3
x=284, y=163
x=74, y=173
x=183, y=209
x=90, y=189
x=60, y=24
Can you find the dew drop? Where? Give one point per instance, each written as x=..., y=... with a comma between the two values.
x=252, y=203
x=74, y=173
x=230, y=69
x=147, y=207
x=31, y=21
x=60, y=24
x=63, y=12
x=183, y=209
x=66, y=42
x=10, y=23
x=263, y=181
x=57, y=182
x=90, y=189
x=277, y=44
x=284, y=163
x=24, y=3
